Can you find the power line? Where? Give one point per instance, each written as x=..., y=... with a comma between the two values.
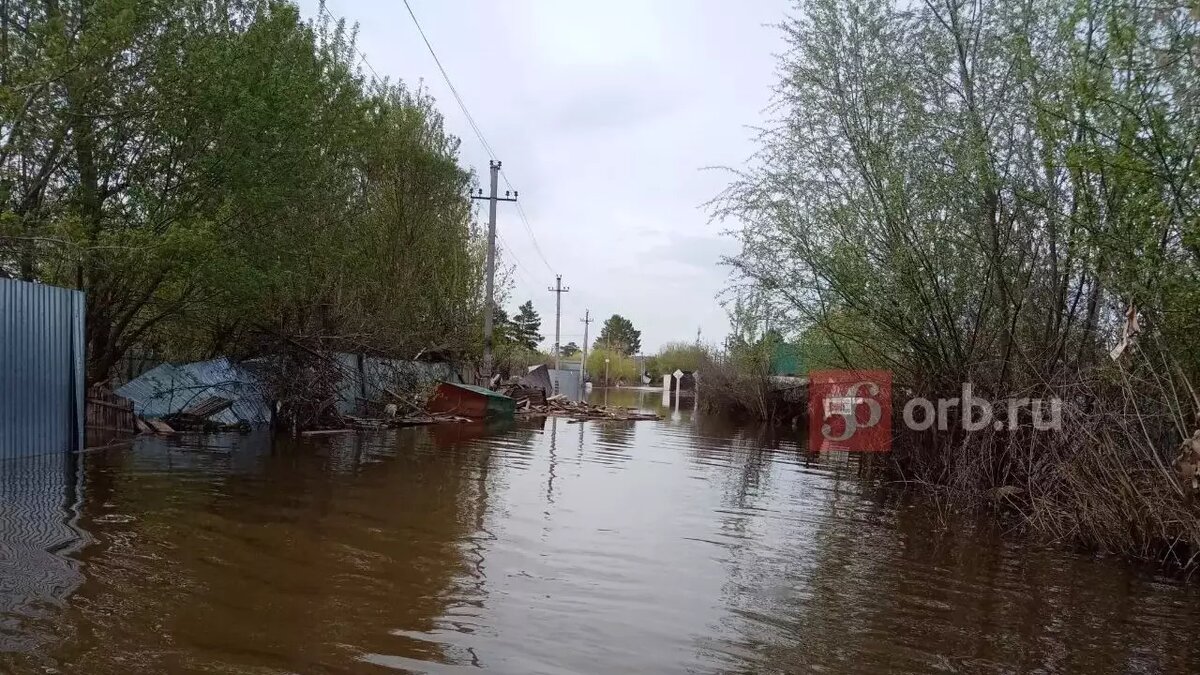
x=474, y=127
x=478, y=132
x=321, y=9
x=517, y=265
x=453, y=89
x=528, y=227
x=558, y=290
x=370, y=67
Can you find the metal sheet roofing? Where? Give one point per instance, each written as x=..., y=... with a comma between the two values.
x=170, y=388
x=482, y=391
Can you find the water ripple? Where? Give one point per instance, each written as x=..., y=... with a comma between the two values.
x=681, y=546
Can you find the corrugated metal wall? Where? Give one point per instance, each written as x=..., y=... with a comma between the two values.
x=568, y=383
x=365, y=377
x=41, y=369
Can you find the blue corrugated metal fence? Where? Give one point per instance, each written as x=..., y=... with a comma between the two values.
x=41, y=369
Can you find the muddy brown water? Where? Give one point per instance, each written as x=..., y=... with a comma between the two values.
x=681, y=546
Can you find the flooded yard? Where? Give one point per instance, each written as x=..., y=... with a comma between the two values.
x=680, y=546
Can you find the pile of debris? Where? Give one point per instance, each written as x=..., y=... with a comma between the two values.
x=199, y=416
x=393, y=412
x=524, y=394
x=353, y=423
x=414, y=420
x=580, y=411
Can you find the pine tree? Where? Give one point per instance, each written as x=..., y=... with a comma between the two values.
x=526, y=325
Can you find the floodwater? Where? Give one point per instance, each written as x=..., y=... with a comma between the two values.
x=681, y=546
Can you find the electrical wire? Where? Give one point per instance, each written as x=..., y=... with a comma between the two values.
x=517, y=265
x=453, y=90
x=478, y=132
x=321, y=9
x=528, y=228
x=474, y=127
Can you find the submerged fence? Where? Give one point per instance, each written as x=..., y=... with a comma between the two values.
x=109, y=417
x=41, y=370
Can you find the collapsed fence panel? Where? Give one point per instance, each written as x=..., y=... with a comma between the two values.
x=172, y=388
x=362, y=382
x=41, y=369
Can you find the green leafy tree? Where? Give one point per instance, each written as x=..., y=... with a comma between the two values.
x=620, y=367
x=991, y=230
x=674, y=356
x=618, y=334
x=220, y=177
x=569, y=349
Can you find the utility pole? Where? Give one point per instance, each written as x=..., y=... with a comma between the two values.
x=489, y=308
x=558, y=290
x=587, y=319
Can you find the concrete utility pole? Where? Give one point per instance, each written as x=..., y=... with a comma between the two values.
x=587, y=319
x=490, y=303
x=558, y=290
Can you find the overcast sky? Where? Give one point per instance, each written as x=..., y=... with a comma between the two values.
x=605, y=115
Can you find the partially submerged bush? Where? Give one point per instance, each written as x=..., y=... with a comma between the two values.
x=741, y=386
x=738, y=394
x=1106, y=481
x=996, y=193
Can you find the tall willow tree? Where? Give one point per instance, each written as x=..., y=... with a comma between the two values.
x=976, y=190
x=218, y=176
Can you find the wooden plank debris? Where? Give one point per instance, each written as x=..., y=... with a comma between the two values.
x=420, y=419
x=207, y=407
x=160, y=427
x=579, y=411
